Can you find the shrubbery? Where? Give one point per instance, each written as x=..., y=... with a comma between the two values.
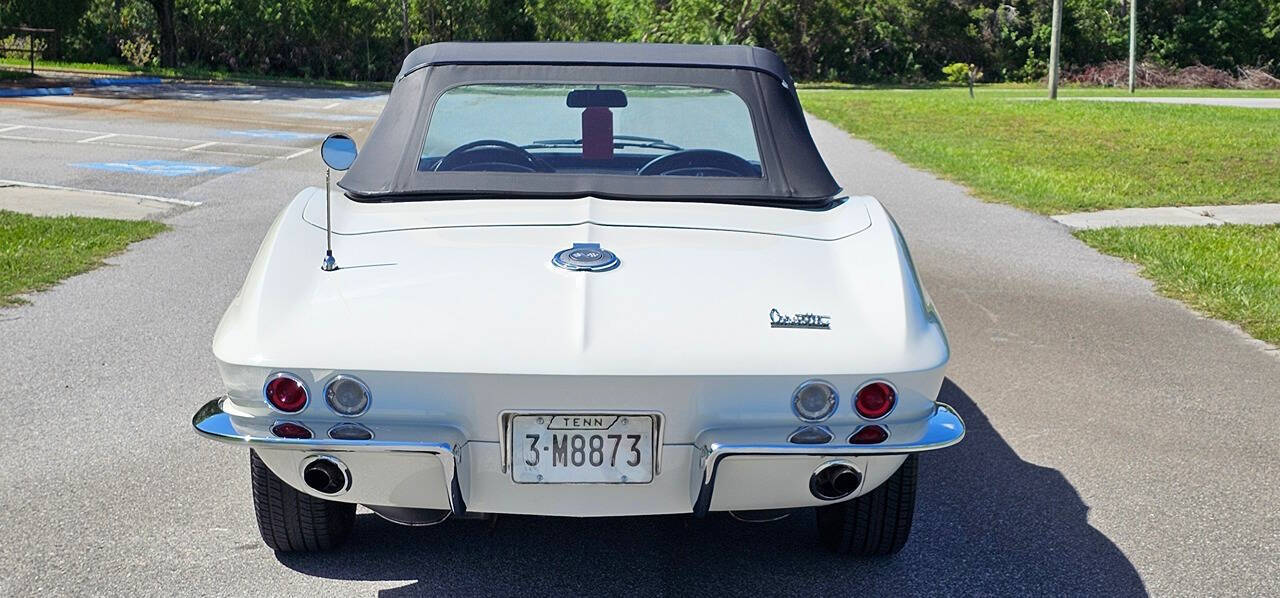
x=845, y=40
x=1116, y=74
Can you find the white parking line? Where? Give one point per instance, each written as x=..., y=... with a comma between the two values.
x=197, y=145
x=96, y=138
x=172, y=200
x=161, y=137
x=148, y=147
x=333, y=105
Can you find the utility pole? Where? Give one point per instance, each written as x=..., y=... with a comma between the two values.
x=404, y=24
x=1133, y=44
x=1054, y=40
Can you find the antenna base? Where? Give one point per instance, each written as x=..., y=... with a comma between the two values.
x=329, y=264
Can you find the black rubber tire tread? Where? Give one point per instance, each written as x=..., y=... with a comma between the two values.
x=874, y=524
x=292, y=521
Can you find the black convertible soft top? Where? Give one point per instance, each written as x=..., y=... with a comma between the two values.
x=793, y=172
x=597, y=53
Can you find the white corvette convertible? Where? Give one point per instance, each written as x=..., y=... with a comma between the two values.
x=583, y=280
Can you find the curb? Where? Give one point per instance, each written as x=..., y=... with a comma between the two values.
x=380, y=86
x=34, y=91
x=1251, y=214
x=126, y=81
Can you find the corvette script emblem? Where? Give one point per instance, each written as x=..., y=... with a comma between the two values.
x=778, y=319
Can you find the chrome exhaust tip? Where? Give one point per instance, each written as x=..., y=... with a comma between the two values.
x=326, y=475
x=834, y=480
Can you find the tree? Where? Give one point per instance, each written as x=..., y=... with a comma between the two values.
x=53, y=14
x=168, y=33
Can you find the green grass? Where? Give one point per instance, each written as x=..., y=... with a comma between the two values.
x=1231, y=272
x=1058, y=157
x=188, y=73
x=6, y=75
x=36, y=252
x=1038, y=90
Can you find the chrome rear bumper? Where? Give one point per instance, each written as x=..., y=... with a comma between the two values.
x=940, y=429
x=212, y=422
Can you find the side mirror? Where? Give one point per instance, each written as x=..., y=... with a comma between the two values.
x=338, y=151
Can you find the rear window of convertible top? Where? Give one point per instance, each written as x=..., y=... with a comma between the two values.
x=644, y=130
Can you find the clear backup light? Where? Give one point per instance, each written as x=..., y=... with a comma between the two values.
x=347, y=396
x=814, y=400
x=810, y=435
x=350, y=431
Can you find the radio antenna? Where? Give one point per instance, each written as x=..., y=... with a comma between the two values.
x=329, y=264
x=338, y=152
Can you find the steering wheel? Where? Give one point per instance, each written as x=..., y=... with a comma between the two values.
x=491, y=155
x=699, y=162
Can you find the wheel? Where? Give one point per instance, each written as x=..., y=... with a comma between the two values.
x=876, y=523
x=291, y=521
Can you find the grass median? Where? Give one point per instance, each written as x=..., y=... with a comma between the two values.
x=1231, y=272
x=192, y=73
x=38, y=251
x=1011, y=146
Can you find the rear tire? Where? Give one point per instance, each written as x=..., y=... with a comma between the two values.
x=876, y=523
x=292, y=521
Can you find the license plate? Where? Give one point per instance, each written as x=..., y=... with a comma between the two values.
x=582, y=449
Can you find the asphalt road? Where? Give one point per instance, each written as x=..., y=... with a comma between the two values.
x=1118, y=443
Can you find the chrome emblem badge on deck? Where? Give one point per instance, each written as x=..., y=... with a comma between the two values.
x=588, y=257
x=778, y=319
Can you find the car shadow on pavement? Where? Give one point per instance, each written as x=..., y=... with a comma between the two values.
x=986, y=522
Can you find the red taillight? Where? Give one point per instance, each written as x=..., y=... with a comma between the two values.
x=869, y=435
x=875, y=400
x=286, y=393
x=290, y=430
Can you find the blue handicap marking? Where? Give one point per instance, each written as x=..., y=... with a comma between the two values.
x=126, y=81
x=270, y=134
x=159, y=167
x=34, y=91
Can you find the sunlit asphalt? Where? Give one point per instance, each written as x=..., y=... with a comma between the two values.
x=1118, y=443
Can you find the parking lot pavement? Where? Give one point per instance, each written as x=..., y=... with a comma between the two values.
x=1118, y=444
x=170, y=140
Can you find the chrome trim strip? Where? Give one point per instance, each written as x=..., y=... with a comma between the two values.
x=365, y=387
x=504, y=430
x=212, y=422
x=943, y=429
x=306, y=391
